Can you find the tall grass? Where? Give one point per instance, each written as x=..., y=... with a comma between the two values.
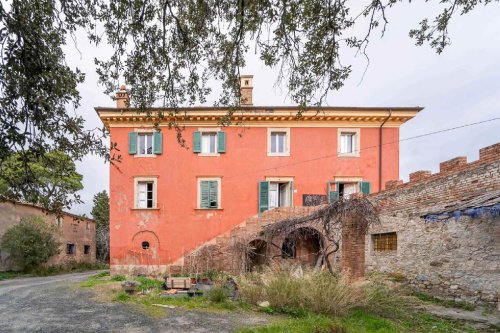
x=318, y=292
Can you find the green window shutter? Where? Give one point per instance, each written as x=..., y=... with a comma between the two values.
x=213, y=194
x=263, y=196
x=157, y=143
x=221, y=142
x=204, y=194
x=291, y=193
x=197, y=142
x=132, y=143
x=333, y=195
x=365, y=187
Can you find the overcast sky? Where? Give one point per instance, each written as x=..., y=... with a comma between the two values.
x=460, y=86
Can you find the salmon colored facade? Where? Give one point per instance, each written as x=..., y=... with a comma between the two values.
x=176, y=225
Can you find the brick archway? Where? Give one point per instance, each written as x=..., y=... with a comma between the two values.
x=303, y=245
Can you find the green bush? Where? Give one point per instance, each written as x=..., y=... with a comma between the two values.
x=31, y=243
x=121, y=297
x=99, y=275
x=118, y=278
x=147, y=283
x=217, y=294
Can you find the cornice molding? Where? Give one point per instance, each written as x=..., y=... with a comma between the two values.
x=260, y=117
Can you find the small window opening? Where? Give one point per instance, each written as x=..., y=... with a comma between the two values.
x=70, y=248
x=346, y=190
x=209, y=143
x=279, y=194
x=87, y=226
x=145, y=143
x=278, y=142
x=86, y=249
x=59, y=221
x=246, y=82
x=347, y=145
x=145, y=195
x=385, y=242
x=145, y=245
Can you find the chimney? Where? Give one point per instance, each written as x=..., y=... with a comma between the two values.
x=122, y=99
x=246, y=90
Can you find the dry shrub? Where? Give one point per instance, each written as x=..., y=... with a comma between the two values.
x=322, y=292
x=250, y=288
x=318, y=292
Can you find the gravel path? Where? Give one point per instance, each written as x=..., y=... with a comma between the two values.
x=53, y=304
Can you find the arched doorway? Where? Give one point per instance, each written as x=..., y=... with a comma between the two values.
x=256, y=257
x=303, y=245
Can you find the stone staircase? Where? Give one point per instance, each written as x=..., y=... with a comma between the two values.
x=219, y=248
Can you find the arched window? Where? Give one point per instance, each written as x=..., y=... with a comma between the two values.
x=145, y=245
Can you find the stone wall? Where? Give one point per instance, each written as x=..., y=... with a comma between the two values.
x=73, y=230
x=456, y=258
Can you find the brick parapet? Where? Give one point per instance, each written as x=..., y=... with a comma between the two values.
x=487, y=155
x=457, y=179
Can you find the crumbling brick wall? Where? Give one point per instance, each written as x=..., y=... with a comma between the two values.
x=72, y=230
x=227, y=252
x=458, y=258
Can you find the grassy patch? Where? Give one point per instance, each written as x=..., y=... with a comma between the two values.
x=9, y=275
x=361, y=321
x=97, y=279
x=121, y=297
x=55, y=270
x=308, y=324
x=148, y=284
x=443, y=302
x=118, y=278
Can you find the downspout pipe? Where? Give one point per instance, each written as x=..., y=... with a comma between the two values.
x=380, y=152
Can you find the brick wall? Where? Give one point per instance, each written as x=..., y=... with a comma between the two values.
x=458, y=258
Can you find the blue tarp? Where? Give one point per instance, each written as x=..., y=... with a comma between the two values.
x=478, y=212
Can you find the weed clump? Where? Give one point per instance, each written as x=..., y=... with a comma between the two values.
x=118, y=277
x=297, y=294
x=217, y=294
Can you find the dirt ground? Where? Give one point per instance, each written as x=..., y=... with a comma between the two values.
x=53, y=304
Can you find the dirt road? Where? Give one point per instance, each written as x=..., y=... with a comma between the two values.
x=53, y=304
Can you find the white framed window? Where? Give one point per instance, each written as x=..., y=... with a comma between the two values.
x=346, y=190
x=209, y=142
x=145, y=144
x=278, y=142
x=145, y=189
x=348, y=142
x=279, y=194
x=209, y=193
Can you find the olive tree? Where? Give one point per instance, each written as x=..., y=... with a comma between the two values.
x=168, y=50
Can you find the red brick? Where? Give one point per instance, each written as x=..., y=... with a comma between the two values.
x=454, y=164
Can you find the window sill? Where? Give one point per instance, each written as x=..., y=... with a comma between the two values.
x=348, y=155
x=278, y=154
x=145, y=208
x=209, y=209
x=146, y=156
x=208, y=154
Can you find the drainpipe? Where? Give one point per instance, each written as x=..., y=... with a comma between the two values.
x=380, y=152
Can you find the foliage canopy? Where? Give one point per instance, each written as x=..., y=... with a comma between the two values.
x=49, y=180
x=167, y=51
